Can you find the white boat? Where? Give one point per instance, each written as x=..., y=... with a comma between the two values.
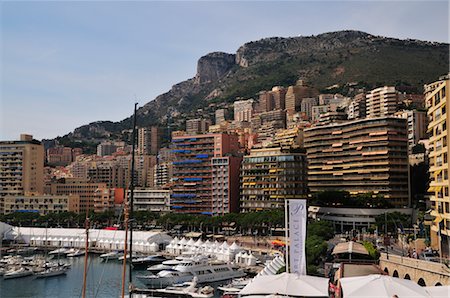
x=52, y=271
x=114, y=255
x=16, y=273
x=187, y=289
x=166, y=265
x=76, y=253
x=59, y=251
x=201, y=268
x=235, y=286
x=144, y=262
x=135, y=256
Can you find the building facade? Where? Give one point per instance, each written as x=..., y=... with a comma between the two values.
x=381, y=102
x=153, y=200
x=42, y=204
x=88, y=192
x=269, y=176
x=192, y=170
x=437, y=101
x=196, y=126
x=362, y=156
x=225, y=184
x=149, y=140
x=244, y=110
x=21, y=167
x=417, y=126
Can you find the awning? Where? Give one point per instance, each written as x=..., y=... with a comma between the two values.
x=193, y=234
x=350, y=247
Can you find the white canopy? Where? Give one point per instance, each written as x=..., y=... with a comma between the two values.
x=234, y=246
x=191, y=242
x=438, y=291
x=288, y=284
x=376, y=285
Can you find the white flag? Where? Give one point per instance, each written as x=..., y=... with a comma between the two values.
x=297, y=236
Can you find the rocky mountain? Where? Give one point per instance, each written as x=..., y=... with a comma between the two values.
x=334, y=58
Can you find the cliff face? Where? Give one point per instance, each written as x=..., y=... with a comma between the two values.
x=323, y=60
x=213, y=67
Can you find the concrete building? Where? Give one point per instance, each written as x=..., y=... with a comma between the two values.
x=220, y=116
x=417, y=126
x=89, y=192
x=59, y=156
x=306, y=107
x=21, y=167
x=108, y=148
x=268, y=123
x=381, y=102
x=437, y=99
x=244, y=110
x=192, y=170
x=163, y=174
x=357, y=107
x=295, y=95
x=362, y=156
x=42, y=204
x=153, y=200
x=196, y=126
x=149, y=140
x=225, y=184
x=269, y=176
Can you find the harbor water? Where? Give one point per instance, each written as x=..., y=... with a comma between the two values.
x=103, y=281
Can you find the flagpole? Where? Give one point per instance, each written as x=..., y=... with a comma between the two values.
x=286, y=233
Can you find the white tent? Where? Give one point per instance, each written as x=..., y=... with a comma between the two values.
x=288, y=284
x=154, y=247
x=376, y=285
x=438, y=291
x=234, y=247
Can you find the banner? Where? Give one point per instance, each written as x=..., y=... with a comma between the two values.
x=297, y=236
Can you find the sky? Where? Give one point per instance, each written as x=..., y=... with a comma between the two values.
x=64, y=64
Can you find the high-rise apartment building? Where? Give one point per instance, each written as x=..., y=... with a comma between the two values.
x=196, y=126
x=107, y=148
x=306, y=107
x=149, y=140
x=21, y=167
x=225, y=184
x=357, y=107
x=296, y=94
x=269, y=176
x=362, y=156
x=437, y=99
x=220, y=116
x=192, y=184
x=417, y=126
x=381, y=102
x=244, y=110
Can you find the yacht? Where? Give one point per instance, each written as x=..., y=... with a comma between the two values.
x=201, y=268
x=59, y=251
x=166, y=265
x=114, y=255
x=187, y=289
x=76, y=253
x=16, y=273
x=52, y=271
x=144, y=262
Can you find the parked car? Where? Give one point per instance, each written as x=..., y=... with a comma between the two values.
x=431, y=256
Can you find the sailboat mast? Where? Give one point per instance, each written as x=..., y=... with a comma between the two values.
x=124, y=266
x=130, y=211
x=86, y=247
